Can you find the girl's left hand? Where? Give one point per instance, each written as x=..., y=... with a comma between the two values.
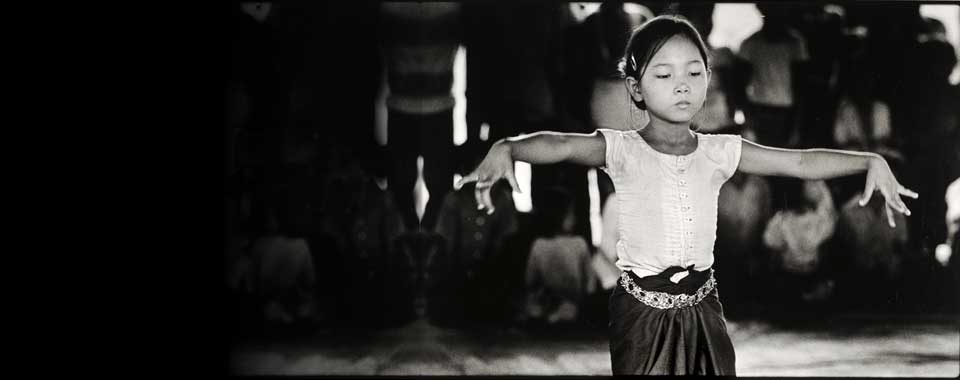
x=879, y=177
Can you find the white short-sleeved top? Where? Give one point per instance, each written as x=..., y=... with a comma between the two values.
x=667, y=203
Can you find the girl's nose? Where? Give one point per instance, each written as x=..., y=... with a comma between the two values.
x=682, y=88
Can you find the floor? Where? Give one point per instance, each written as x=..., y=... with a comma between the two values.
x=864, y=345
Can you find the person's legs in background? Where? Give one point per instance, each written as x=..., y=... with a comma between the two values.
x=436, y=146
x=402, y=130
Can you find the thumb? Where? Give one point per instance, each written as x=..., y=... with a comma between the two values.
x=469, y=178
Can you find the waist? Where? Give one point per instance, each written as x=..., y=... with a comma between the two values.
x=661, y=282
x=660, y=292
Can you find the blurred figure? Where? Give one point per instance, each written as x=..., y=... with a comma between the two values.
x=821, y=26
x=872, y=250
x=952, y=198
x=743, y=209
x=472, y=283
x=795, y=236
x=359, y=225
x=925, y=120
x=603, y=37
x=513, y=67
x=774, y=53
x=284, y=271
x=256, y=74
x=518, y=81
x=604, y=263
x=559, y=273
x=419, y=44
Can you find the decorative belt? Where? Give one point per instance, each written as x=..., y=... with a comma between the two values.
x=661, y=300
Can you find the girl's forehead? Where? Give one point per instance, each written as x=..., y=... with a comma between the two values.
x=678, y=48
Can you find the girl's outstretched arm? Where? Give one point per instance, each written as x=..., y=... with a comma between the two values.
x=828, y=163
x=537, y=148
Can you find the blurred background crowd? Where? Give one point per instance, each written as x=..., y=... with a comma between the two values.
x=347, y=123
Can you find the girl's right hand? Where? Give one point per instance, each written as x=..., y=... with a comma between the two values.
x=495, y=166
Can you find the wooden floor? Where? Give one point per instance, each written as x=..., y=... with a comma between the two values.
x=871, y=346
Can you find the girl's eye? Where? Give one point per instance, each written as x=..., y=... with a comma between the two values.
x=664, y=76
x=696, y=74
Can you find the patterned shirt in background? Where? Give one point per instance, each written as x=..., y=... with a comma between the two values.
x=470, y=233
x=420, y=42
x=797, y=235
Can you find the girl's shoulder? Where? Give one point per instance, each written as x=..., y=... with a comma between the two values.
x=712, y=141
x=621, y=136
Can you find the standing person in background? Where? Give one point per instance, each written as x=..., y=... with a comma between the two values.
x=516, y=83
x=925, y=120
x=774, y=53
x=602, y=37
x=821, y=26
x=419, y=44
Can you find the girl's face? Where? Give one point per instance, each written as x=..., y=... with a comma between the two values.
x=674, y=84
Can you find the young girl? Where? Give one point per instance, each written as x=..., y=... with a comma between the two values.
x=666, y=317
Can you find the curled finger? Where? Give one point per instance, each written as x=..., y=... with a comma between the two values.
x=905, y=191
x=890, y=220
x=488, y=201
x=478, y=198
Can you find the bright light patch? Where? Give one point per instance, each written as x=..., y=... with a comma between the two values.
x=420, y=193
x=596, y=224
x=522, y=201
x=459, y=95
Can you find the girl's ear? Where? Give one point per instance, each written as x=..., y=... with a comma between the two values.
x=633, y=88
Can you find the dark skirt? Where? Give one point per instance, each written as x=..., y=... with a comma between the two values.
x=645, y=340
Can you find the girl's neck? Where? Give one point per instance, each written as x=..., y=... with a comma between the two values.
x=671, y=134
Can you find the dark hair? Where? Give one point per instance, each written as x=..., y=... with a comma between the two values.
x=556, y=204
x=646, y=41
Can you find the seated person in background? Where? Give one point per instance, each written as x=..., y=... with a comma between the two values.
x=472, y=283
x=795, y=235
x=873, y=251
x=285, y=273
x=559, y=273
x=870, y=253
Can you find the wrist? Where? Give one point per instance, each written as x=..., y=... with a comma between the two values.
x=503, y=146
x=875, y=160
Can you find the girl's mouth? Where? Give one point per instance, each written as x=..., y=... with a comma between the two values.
x=683, y=105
